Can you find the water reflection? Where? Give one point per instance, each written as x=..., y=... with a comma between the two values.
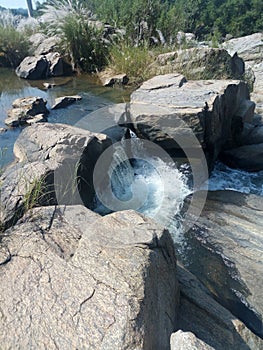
x=94, y=96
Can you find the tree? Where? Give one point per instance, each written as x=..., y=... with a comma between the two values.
x=30, y=8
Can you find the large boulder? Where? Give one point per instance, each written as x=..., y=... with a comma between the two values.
x=73, y=280
x=43, y=66
x=55, y=165
x=209, y=321
x=248, y=157
x=201, y=63
x=227, y=253
x=250, y=49
x=33, y=68
x=168, y=110
x=26, y=111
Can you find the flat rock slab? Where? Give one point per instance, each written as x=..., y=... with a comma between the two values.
x=168, y=109
x=72, y=283
x=65, y=101
x=228, y=236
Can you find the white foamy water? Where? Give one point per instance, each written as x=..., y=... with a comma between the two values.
x=146, y=183
x=225, y=178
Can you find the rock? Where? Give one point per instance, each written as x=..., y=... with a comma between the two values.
x=252, y=134
x=2, y=130
x=33, y=68
x=55, y=165
x=246, y=111
x=55, y=64
x=36, y=39
x=257, y=93
x=61, y=81
x=248, y=47
x=47, y=45
x=119, y=79
x=26, y=111
x=107, y=120
x=187, y=341
x=39, y=118
x=62, y=102
x=49, y=85
x=75, y=280
x=41, y=67
x=247, y=157
x=208, y=320
x=228, y=235
x=201, y=63
x=168, y=110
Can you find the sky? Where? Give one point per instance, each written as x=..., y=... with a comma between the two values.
x=15, y=3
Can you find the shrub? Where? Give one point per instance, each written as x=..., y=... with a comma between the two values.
x=133, y=61
x=13, y=44
x=80, y=38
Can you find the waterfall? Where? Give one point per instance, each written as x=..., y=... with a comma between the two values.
x=145, y=182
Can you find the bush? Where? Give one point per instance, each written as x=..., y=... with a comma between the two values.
x=134, y=61
x=13, y=44
x=80, y=39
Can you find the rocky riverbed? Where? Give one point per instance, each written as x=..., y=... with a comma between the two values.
x=71, y=278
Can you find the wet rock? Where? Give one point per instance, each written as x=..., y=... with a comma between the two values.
x=168, y=110
x=228, y=237
x=33, y=68
x=2, y=130
x=187, y=341
x=208, y=320
x=76, y=280
x=50, y=157
x=65, y=101
x=26, y=111
x=247, y=157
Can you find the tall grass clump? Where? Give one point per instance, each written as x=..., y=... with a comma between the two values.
x=13, y=43
x=135, y=61
x=80, y=39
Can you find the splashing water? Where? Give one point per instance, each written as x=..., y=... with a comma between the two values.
x=157, y=184
x=225, y=178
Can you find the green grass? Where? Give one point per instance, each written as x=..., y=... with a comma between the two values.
x=134, y=61
x=13, y=46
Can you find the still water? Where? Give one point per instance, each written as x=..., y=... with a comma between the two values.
x=94, y=96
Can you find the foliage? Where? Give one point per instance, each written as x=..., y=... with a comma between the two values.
x=202, y=17
x=133, y=61
x=13, y=40
x=80, y=39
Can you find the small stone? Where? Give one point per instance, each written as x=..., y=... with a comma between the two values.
x=65, y=101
